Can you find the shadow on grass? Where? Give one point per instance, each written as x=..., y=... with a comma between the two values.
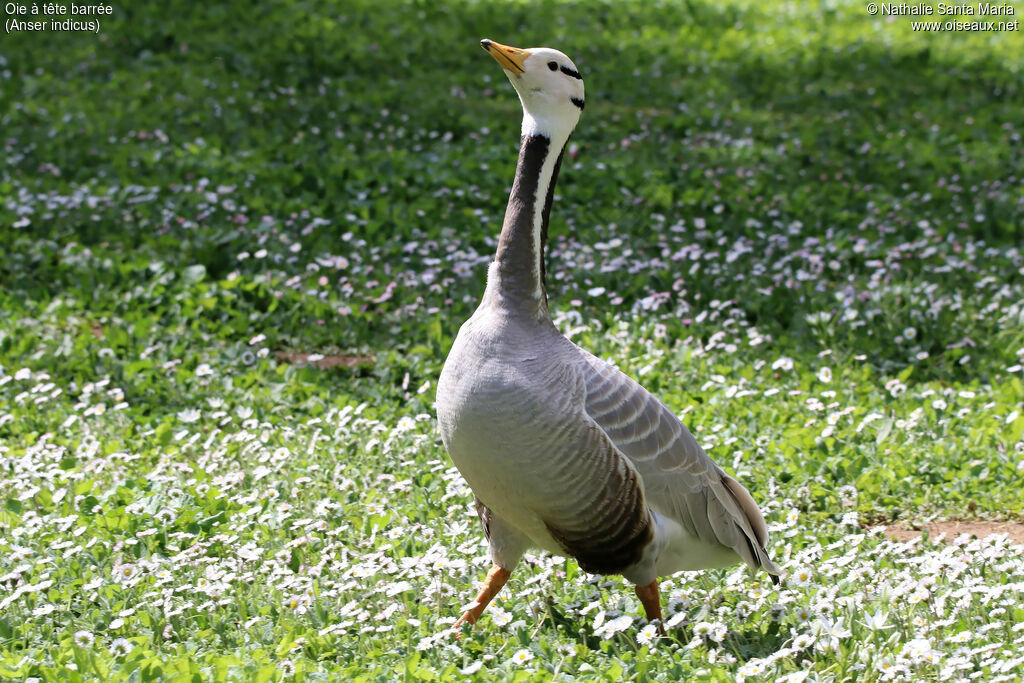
x=743, y=645
x=839, y=77
x=820, y=115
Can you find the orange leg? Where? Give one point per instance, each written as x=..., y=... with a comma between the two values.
x=651, y=601
x=496, y=578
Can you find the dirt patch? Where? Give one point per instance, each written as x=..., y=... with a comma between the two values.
x=954, y=528
x=325, y=361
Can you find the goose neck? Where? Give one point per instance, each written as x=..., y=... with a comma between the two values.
x=516, y=277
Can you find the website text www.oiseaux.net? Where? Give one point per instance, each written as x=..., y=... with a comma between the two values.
x=981, y=16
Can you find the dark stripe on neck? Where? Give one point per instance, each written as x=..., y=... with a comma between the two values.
x=516, y=255
x=569, y=72
x=577, y=101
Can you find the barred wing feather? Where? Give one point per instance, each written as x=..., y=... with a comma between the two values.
x=680, y=480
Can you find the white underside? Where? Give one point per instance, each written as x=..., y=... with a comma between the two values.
x=684, y=552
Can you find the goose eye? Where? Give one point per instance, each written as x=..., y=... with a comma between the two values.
x=553, y=66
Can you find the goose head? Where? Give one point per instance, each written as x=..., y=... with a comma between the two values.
x=549, y=85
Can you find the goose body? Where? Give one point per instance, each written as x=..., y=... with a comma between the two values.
x=562, y=450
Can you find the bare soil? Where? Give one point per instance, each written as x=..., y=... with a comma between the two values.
x=954, y=528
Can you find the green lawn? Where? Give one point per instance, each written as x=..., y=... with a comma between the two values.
x=800, y=225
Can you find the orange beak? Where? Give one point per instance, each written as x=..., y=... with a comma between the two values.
x=510, y=58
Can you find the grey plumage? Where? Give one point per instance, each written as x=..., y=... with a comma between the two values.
x=563, y=451
x=577, y=458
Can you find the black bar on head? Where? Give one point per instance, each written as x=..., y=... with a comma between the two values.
x=569, y=72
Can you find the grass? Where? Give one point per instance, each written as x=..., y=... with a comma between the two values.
x=798, y=224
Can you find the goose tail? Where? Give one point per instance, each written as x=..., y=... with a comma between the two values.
x=751, y=523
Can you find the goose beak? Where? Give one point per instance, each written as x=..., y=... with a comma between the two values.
x=510, y=58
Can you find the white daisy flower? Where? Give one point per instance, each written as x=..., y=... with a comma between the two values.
x=648, y=633
x=120, y=647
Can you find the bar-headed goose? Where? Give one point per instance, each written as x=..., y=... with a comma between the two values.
x=563, y=451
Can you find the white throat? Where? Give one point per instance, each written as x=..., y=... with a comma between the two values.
x=555, y=128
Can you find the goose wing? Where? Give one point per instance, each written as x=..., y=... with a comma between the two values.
x=680, y=480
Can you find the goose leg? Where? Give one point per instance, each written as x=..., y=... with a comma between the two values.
x=651, y=601
x=496, y=578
